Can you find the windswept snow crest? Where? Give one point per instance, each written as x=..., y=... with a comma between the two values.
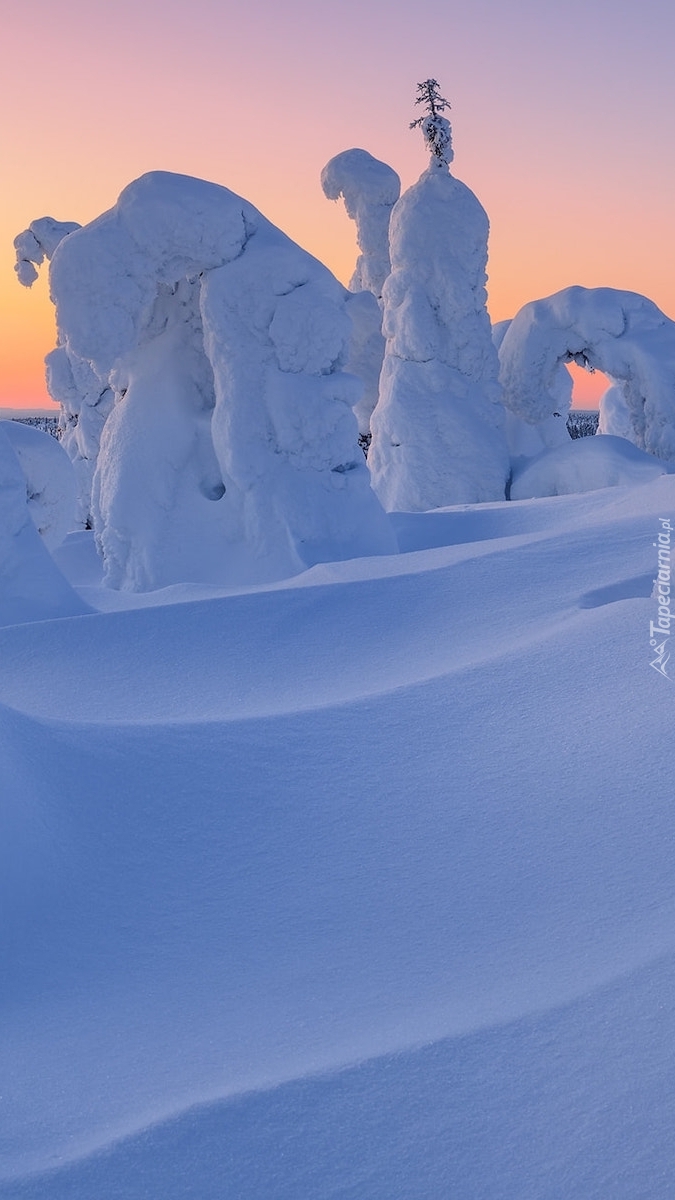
x=438, y=428
x=231, y=451
x=620, y=333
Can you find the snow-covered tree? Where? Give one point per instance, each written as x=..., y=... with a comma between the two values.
x=435, y=127
x=614, y=415
x=620, y=333
x=31, y=586
x=231, y=451
x=438, y=428
x=370, y=189
x=85, y=399
x=50, y=480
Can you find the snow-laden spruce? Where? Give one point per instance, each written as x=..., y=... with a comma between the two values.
x=438, y=428
x=31, y=586
x=613, y=414
x=85, y=399
x=525, y=439
x=231, y=451
x=620, y=333
x=370, y=189
x=49, y=480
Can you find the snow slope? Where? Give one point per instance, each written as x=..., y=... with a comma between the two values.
x=356, y=885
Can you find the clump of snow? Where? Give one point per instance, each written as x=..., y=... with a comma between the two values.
x=620, y=333
x=38, y=242
x=31, y=586
x=231, y=451
x=614, y=414
x=582, y=465
x=50, y=480
x=370, y=189
x=86, y=401
x=438, y=428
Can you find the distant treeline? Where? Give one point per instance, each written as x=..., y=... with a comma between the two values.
x=579, y=422
x=582, y=423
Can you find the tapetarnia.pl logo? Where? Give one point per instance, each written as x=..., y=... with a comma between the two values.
x=659, y=630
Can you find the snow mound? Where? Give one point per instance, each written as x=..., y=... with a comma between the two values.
x=583, y=465
x=38, y=242
x=31, y=586
x=231, y=451
x=50, y=480
x=620, y=333
x=438, y=436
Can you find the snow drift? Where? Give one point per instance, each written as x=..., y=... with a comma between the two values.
x=620, y=333
x=582, y=465
x=231, y=450
x=282, y=918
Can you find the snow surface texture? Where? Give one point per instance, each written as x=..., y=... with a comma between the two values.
x=620, y=333
x=582, y=465
x=288, y=918
x=370, y=189
x=231, y=451
x=50, y=480
x=438, y=428
x=32, y=494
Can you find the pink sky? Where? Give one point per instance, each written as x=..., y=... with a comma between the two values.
x=563, y=122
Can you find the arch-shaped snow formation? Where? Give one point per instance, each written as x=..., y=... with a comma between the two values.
x=231, y=450
x=620, y=333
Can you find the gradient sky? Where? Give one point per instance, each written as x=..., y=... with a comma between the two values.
x=563, y=124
